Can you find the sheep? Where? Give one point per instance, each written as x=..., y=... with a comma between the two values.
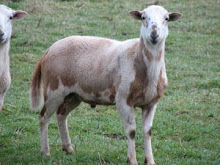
x=101, y=71
x=6, y=15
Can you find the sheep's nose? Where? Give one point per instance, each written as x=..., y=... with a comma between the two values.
x=154, y=37
x=1, y=34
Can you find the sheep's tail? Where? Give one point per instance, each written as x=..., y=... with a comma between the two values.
x=36, y=91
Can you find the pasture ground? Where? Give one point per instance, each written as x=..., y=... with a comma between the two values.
x=186, y=128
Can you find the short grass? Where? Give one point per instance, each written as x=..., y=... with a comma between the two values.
x=186, y=127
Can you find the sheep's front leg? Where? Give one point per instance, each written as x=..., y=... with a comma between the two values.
x=147, y=118
x=5, y=81
x=128, y=117
x=2, y=97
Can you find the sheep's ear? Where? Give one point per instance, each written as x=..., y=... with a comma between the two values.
x=136, y=14
x=19, y=14
x=174, y=16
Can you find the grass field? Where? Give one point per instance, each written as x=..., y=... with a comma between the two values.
x=186, y=127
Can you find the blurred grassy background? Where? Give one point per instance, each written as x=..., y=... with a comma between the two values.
x=186, y=127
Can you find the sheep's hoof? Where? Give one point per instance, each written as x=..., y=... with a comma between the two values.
x=146, y=162
x=68, y=149
x=46, y=154
x=134, y=162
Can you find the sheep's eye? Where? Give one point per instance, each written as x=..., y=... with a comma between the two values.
x=166, y=18
x=10, y=17
x=143, y=18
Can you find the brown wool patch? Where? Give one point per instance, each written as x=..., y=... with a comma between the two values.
x=149, y=132
x=161, y=85
x=146, y=51
x=160, y=55
x=138, y=85
x=67, y=80
x=53, y=84
x=35, y=83
x=48, y=76
x=132, y=135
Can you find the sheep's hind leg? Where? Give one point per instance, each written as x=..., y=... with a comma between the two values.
x=44, y=121
x=70, y=102
x=45, y=115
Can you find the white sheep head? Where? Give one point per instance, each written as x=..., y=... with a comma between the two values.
x=155, y=20
x=6, y=15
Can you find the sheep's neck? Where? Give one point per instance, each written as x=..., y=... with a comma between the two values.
x=153, y=57
x=151, y=52
x=4, y=56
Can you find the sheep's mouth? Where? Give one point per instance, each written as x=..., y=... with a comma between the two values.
x=2, y=41
x=154, y=41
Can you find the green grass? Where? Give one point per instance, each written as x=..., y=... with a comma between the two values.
x=186, y=127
